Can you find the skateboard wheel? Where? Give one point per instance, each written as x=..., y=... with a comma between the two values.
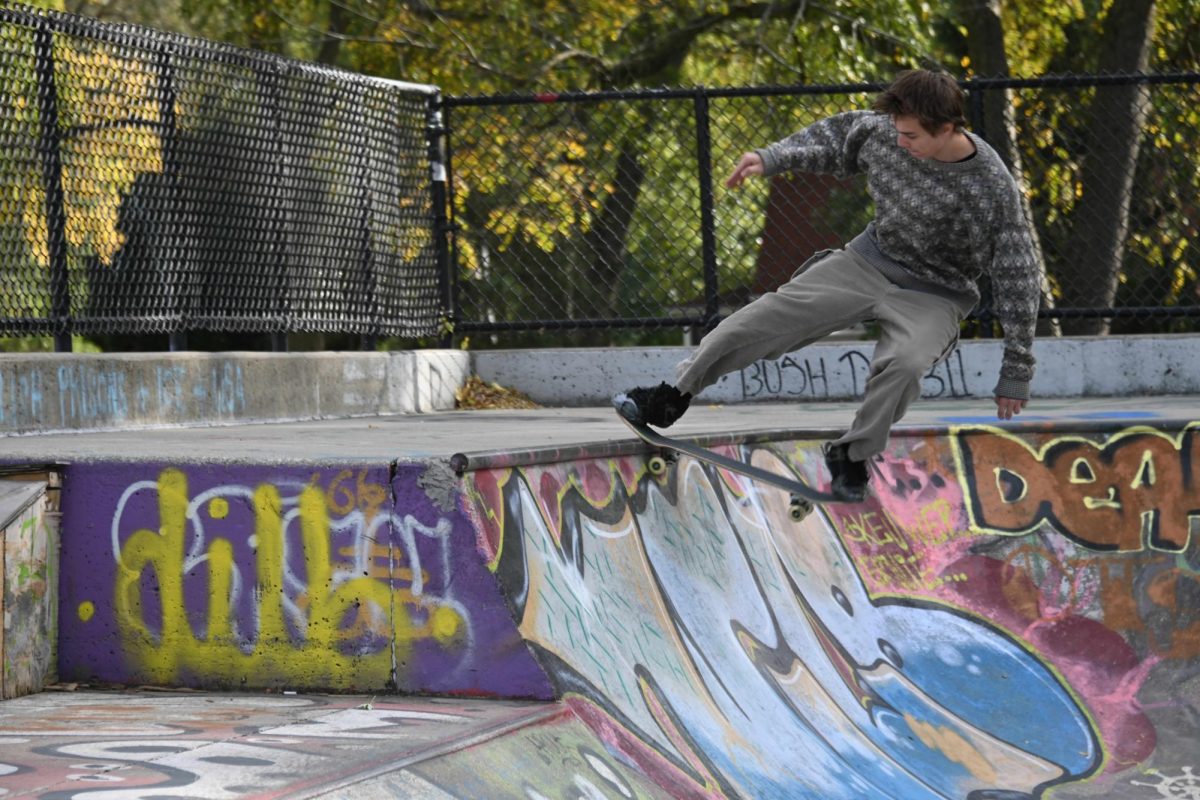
x=799, y=509
x=657, y=465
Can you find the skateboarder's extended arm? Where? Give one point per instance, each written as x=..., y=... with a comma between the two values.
x=829, y=146
x=1016, y=283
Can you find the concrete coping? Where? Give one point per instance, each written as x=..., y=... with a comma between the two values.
x=464, y=462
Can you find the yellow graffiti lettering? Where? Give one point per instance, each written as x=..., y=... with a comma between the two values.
x=896, y=571
x=323, y=645
x=218, y=508
x=935, y=522
x=873, y=528
x=1145, y=473
x=1081, y=472
x=445, y=624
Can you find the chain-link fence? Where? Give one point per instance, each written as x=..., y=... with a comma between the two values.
x=156, y=183
x=605, y=216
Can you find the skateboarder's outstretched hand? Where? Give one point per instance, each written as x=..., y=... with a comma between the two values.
x=1008, y=407
x=749, y=164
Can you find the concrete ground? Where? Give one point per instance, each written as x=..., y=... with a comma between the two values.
x=142, y=743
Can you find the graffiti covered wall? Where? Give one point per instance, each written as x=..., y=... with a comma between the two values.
x=331, y=578
x=1010, y=615
x=28, y=571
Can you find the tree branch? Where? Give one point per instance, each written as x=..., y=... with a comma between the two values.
x=671, y=48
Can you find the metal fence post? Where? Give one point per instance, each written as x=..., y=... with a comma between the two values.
x=978, y=117
x=708, y=239
x=176, y=276
x=370, y=282
x=52, y=184
x=279, y=336
x=984, y=319
x=438, y=156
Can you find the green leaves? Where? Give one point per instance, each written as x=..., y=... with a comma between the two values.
x=532, y=186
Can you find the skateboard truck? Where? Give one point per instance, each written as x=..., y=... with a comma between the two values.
x=801, y=496
x=657, y=465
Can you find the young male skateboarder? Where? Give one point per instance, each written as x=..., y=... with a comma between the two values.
x=946, y=211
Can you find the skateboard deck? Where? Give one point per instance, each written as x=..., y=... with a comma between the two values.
x=801, y=493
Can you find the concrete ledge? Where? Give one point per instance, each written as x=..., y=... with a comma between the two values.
x=1067, y=367
x=47, y=392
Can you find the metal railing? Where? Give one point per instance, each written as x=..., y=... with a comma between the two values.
x=158, y=183
x=604, y=215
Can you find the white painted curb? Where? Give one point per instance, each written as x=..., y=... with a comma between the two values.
x=47, y=392
x=1067, y=367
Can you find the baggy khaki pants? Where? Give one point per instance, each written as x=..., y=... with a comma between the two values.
x=831, y=291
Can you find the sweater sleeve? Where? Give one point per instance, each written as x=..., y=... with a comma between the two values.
x=829, y=146
x=1016, y=289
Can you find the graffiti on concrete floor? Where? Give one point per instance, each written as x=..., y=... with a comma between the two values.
x=106, y=746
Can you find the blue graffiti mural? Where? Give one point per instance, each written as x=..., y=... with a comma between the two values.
x=745, y=648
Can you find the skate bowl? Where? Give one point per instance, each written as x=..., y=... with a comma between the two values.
x=1013, y=613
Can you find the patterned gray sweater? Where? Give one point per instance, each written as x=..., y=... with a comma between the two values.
x=938, y=226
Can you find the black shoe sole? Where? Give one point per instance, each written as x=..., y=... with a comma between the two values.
x=627, y=408
x=849, y=494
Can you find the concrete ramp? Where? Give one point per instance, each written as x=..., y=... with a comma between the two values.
x=1013, y=614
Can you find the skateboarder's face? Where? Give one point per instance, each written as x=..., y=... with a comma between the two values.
x=920, y=143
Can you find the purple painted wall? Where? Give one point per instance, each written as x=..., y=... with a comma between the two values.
x=332, y=578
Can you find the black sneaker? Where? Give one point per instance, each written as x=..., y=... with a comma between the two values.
x=850, y=477
x=658, y=405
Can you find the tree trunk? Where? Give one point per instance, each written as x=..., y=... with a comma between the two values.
x=605, y=243
x=1100, y=222
x=331, y=44
x=985, y=47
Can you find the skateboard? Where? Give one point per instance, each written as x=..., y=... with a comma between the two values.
x=802, y=497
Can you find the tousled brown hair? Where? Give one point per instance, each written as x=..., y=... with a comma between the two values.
x=933, y=98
